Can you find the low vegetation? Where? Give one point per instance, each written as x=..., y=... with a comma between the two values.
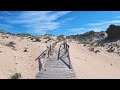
x=61, y=37
x=23, y=34
x=47, y=36
x=88, y=37
x=16, y=76
x=96, y=51
x=35, y=39
x=10, y=44
x=25, y=49
x=91, y=49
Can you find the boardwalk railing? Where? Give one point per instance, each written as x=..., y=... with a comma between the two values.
x=42, y=58
x=63, y=54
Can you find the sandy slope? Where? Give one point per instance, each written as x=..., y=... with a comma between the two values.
x=90, y=65
x=12, y=61
x=86, y=64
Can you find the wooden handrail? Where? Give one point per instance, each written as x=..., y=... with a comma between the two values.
x=40, y=55
x=66, y=48
x=45, y=55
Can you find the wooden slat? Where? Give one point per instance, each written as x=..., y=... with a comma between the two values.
x=56, y=69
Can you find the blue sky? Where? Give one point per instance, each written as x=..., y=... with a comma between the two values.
x=57, y=22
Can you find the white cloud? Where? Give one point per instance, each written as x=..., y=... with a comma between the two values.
x=5, y=26
x=102, y=26
x=114, y=11
x=104, y=23
x=7, y=12
x=38, y=21
x=66, y=20
x=30, y=17
x=74, y=31
x=96, y=29
x=117, y=17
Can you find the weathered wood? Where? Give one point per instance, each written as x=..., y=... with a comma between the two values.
x=58, y=54
x=41, y=54
x=64, y=51
x=56, y=69
x=55, y=78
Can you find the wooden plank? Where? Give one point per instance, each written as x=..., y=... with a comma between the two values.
x=56, y=73
x=56, y=69
x=55, y=78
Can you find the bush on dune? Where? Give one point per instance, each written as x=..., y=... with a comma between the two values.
x=16, y=76
x=10, y=44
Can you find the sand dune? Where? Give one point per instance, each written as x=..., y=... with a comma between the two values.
x=90, y=65
x=17, y=61
x=86, y=64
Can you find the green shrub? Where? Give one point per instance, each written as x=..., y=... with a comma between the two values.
x=84, y=45
x=47, y=37
x=23, y=34
x=16, y=76
x=96, y=51
x=91, y=49
x=25, y=49
x=37, y=39
x=10, y=44
x=61, y=37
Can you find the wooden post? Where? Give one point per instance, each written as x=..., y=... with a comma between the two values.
x=66, y=46
x=40, y=64
x=49, y=51
x=45, y=59
x=59, y=53
x=69, y=59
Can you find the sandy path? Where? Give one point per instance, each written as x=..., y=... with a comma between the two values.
x=89, y=65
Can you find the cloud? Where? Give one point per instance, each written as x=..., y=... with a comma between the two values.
x=35, y=21
x=7, y=12
x=96, y=29
x=31, y=17
x=104, y=23
x=5, y=26
x=117, y=17
x=66, y=20
x=74, y=31
x=101, y=26
x=114, y=11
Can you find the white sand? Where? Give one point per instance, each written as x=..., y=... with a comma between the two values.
x=90, y=65
x=86, y=64
x=12, y=61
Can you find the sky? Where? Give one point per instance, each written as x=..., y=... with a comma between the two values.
x=57, y=22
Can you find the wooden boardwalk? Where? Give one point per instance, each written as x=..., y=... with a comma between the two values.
x=56, y=69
